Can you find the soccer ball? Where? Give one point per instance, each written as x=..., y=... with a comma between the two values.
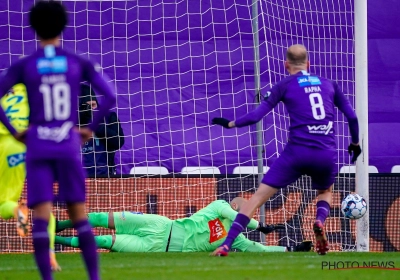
x=354, y=206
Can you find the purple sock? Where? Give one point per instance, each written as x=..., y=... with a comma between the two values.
x=41, y=244
x=322, y=210
x=89, y=248
x=239, y=224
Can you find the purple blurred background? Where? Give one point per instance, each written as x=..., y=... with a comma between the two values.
x=177, y=65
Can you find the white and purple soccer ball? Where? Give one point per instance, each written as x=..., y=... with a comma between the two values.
x=354, y=206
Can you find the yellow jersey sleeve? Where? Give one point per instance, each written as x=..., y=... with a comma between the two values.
x=15, y=105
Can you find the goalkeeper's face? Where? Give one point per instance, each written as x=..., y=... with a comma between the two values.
x=237, y=203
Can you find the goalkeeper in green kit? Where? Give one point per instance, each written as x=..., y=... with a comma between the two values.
x=204, y=231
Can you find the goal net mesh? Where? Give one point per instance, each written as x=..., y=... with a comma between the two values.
x=175, y=66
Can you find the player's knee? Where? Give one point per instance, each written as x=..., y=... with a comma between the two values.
x=325, y=191
x=76, y=211
x=42, y=211
x=103, y=241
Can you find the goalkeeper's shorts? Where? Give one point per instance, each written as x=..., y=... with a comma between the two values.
x=296, y=161
x=151, y=232
x=12, y=168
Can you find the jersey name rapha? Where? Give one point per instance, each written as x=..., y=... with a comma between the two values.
x=217, y=230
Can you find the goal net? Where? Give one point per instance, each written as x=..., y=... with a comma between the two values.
x=176, y=65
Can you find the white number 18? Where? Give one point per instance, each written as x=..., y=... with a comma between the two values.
x=57, y=101
x=317, y=103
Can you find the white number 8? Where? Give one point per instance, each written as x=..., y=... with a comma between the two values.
x=57, y=101
x=317, y=103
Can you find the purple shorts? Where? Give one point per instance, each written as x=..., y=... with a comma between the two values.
x=296, y=161
x=42, y=173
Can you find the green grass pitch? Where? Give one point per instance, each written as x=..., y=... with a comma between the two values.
x=176, y=266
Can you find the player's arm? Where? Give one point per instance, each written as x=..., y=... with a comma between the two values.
x=102, y=87
x=344, y=106
x=273, y=97
x=8, y=79
x=245, y=245
x=226, y=211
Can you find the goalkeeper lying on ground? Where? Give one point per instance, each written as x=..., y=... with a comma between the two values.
x=204, y=231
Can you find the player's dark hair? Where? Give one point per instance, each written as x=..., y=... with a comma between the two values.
x=296, y=58
x=48, y=19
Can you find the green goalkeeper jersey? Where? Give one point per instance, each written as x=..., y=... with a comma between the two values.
x=208, y=228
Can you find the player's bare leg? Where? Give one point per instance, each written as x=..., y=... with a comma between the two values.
x=21, y=213
x=96, y=219
x=51, y=230
x=324, y=200
x=263, y=193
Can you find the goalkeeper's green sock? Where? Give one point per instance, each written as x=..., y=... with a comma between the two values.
x=99, y=219
x=61, y=225
x=64, y=240
x=102, y=241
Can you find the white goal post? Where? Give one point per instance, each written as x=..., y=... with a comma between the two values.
x=361, y=95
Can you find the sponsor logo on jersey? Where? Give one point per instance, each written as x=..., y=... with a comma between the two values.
x=320, y=129
x=217, y=230
x=16, y=159
x=51, y=65
x=305, y=81
x=56, y=134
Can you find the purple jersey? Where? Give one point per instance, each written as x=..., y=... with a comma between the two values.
x=310, y=102
x=52, y=77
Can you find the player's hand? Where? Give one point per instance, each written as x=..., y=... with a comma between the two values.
x=266, y=229
x=354, y=151
x=221, y=121
x=21, y=136
x=85, y=134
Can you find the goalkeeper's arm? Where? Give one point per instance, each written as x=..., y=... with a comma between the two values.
x=228, y=213
x=245, y=245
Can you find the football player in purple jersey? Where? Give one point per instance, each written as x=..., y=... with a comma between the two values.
x=52, y=77
x=310, y=101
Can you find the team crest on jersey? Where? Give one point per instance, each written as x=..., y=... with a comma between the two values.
x=52, y=65
x=15, y=159
x=305, y=81
x=217, y=230
x=267, y=95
